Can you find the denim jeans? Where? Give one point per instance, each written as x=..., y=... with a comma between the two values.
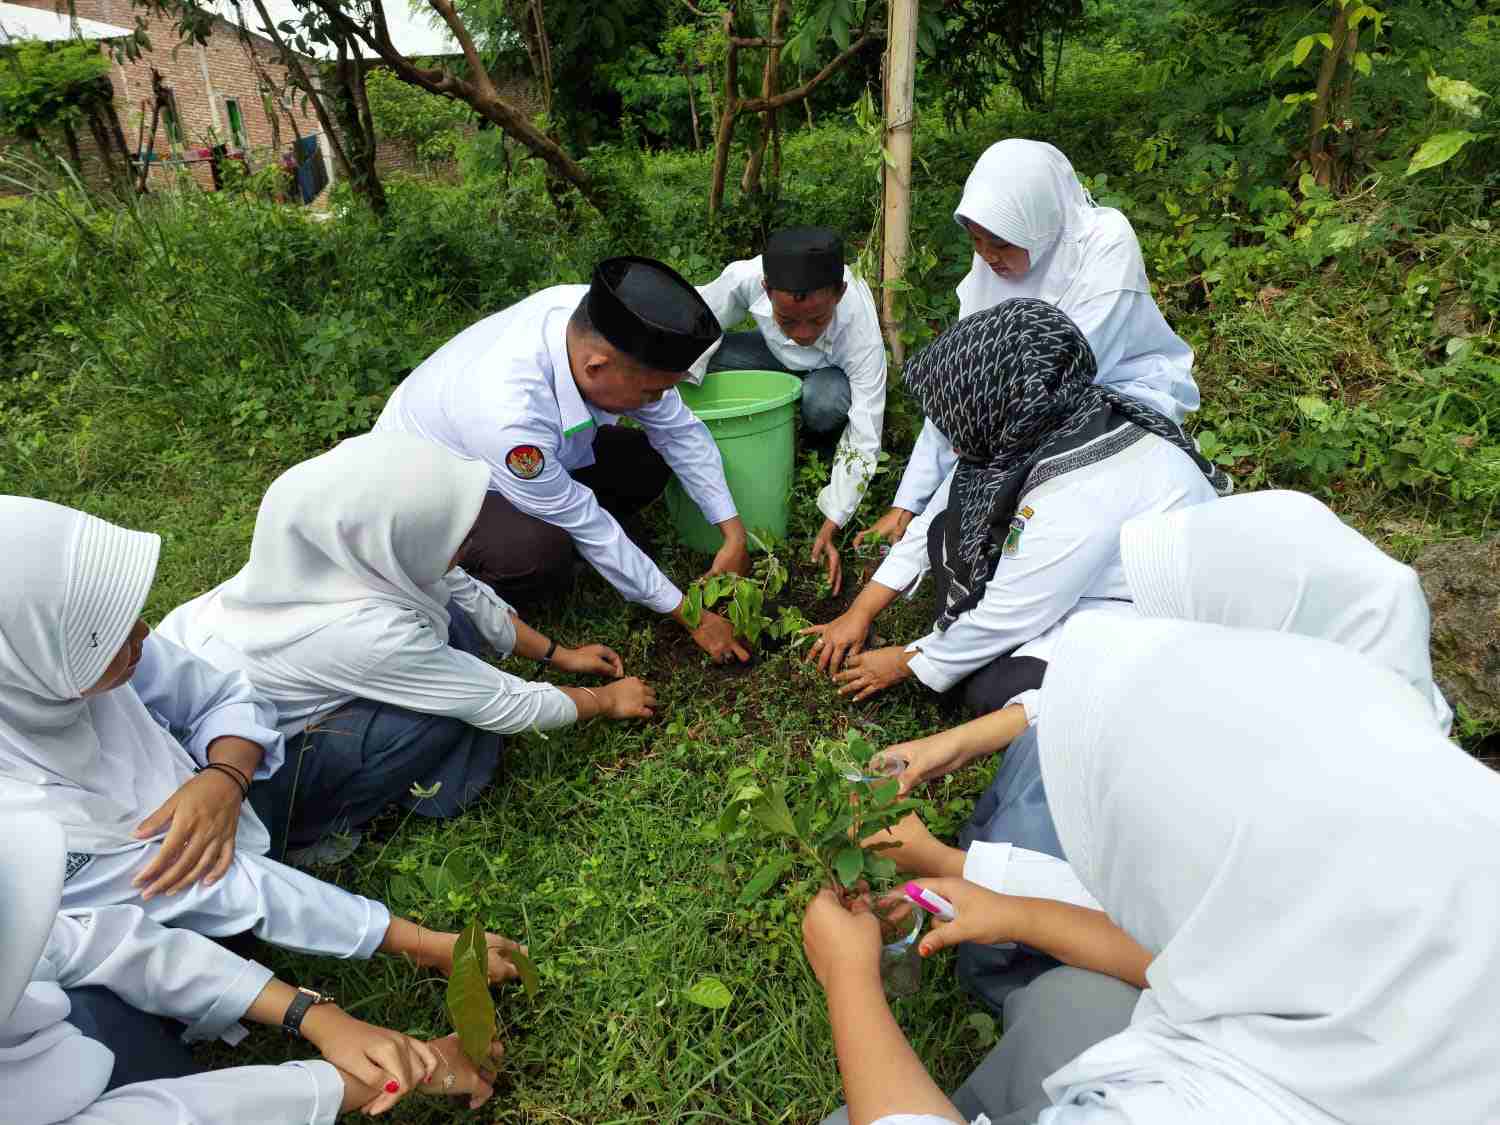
x=826, y=396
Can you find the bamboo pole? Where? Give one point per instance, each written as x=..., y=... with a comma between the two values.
x=901, y=68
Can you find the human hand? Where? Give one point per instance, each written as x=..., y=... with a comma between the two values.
x=595, y=660
x=376, y=1056
x=630, y=698
x=823, y=548
x=842, y=943
x=457, y=1076
x=733, y=557
x=873, y=671
x=500, y=969
x=892, y=526
x=979, y=915
x=715, y=636
x=204, y=816
x=837, y=641
x=922, y=759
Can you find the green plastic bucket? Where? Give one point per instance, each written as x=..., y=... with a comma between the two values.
x=752, y=416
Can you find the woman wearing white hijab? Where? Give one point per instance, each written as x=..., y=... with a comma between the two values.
x=55, y=1067
x=352, y=619
x=1322, y=942
x=1037, y=233
x=81, y=743
x=1264, y=560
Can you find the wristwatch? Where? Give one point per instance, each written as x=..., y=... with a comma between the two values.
x=547, y=656
x=305, y=999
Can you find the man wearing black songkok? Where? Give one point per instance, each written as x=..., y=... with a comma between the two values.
x=815, y=319
x=536, y=390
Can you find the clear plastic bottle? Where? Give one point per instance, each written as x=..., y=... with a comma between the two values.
x=901, y=964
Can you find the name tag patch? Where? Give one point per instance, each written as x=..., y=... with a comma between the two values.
x=525, y=462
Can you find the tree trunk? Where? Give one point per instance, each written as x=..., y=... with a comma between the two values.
x=1318, y=154
x=769, y=80
x=726, y=121
x=106, y=146
x=73, y=152
x=353, y=110
x=901, y=63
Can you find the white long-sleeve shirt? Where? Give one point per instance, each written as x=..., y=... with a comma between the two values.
x=852, y=342
x=1067, y=553
x=505, y=385
x=51, y=1073
x=1137, y=354
x=391, y=656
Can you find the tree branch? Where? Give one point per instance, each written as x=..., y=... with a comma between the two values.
x=789, y=97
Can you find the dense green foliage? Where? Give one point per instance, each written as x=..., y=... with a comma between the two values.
x=46, y=84
x=435, y=126
x=160, y=365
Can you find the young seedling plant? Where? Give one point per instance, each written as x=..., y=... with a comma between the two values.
x=470, y=1005
x=744, y=599
x=841, y=806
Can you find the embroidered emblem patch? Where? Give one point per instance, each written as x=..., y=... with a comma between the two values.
x=525, y=462
x=1013, y=537
x=77, y=861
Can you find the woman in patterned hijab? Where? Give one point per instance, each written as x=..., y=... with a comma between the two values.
x=1005, y=386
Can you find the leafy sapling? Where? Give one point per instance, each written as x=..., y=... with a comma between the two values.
x=744, y=599
x=470, y=1005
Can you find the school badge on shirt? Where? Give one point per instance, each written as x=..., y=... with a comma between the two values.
x=1012, y=544
x=525, y=462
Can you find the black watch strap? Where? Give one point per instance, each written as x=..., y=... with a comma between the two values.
x=297, y=1010
x=547, y=656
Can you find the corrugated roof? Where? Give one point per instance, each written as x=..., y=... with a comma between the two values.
x=18, y=23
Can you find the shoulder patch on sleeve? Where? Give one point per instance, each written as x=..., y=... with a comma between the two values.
x=525, y=462
x=1027, y=512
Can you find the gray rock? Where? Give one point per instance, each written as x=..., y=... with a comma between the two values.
x=1462, y=582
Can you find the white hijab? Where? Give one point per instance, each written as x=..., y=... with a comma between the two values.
x=70, y=593
x=1313, y=865
x=1283, y=560
x=48, y=1070
x=375, y=521
x=1026, y=193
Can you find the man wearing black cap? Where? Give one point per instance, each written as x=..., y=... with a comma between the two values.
x=817, y=320
x=535, y=391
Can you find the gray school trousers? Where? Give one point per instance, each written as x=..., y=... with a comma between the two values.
x=1048, y=1024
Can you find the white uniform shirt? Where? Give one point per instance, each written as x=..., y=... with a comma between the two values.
x=1137, y=354
x=169, y=972
x=851, y=342
x=397, y=659
x=505, y=384
x=1066, y=554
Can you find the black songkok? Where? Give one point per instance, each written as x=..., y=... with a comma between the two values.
x=803, y=259
x=649, y=311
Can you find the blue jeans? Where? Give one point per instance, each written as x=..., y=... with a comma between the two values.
x=1012, y=810
x=147, y=1048
x=367, y=755
x=826, y=397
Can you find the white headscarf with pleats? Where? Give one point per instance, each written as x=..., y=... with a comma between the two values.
x=375, y=521
x=1283, y=560
x=1312, y=864
x=1026, y=193
x=71, y=589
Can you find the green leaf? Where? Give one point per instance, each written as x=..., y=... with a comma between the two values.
x=880, y=867
x=849, y=865
x=771, y=813
x=710, y=992
x=530, y=981
x=1303, y=49
x=1314, y=407
x=1362, y=63
x=763, y=880
x=1458, y=95
x=1439, y=149
x=470, y=1006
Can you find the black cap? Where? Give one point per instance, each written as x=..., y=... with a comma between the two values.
x=802, y=259
x=650, y=312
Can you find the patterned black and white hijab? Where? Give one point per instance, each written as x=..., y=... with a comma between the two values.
x=1004, y=386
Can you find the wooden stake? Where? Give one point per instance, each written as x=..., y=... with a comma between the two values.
x=901, y=69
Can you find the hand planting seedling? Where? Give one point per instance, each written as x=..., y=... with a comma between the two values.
x=470, y=1006
x=744, y=599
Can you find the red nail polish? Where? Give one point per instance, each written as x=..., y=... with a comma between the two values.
x=393, y=1087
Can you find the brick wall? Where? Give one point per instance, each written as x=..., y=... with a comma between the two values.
x=203, y=81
